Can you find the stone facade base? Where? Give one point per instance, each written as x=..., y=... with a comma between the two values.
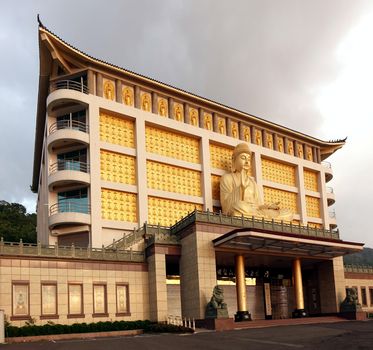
x=354, y=315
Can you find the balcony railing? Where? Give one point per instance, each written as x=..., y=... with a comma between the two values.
x=332, y=214
x=329, y=190
x=69, y=165
x=70, y=85
x=326, y=164
x=70, y=206
x=68, y=124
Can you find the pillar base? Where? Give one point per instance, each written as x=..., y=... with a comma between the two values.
x=241, y=316
x=299, y=313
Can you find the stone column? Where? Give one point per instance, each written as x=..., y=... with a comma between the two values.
x=298, y=289
x=157, y=287
x=242, y=313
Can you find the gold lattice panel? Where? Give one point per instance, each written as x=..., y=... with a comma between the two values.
x=170, y=178
x=117, y=130
x=172, y=145
x=215, y=187
x=220, y=157
x=167, y=211
x=116, y=167
x=313, y=207
x=310, y=181
x=315, y=225
x=278, y=172
x=288, y=200
x=118, y=206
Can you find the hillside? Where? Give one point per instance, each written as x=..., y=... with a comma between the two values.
x=363, y=258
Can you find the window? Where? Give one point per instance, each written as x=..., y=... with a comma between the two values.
x=371, y=295
x=122, y=295
x=99, y=300
x=49, y=300
x=20, y=300
x=364, y=296
x=76, y=120
x=75, y=300
x=75, y=160
x=73, y=201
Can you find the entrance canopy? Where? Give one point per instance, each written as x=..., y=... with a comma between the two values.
x=258, y=241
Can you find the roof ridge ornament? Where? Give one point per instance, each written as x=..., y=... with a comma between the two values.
x=39, y=22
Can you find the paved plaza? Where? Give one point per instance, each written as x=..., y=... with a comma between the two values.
x=341, y=335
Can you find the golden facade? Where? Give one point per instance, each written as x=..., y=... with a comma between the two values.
x=278, y=172
x=215, y=187
x=313, y=207
x=220, y=157
x=246, y=134
x=109, y=89
x=116, y=167
x=162, y=107
x=127, y=95
x=221, y=126
x=167, y=211
x=170, y=178
x=172, y=145
x=311, y=180
x=193, y=116
x=234, y=129
x=178, y=111
x=116, y=130
x=207, y=121
x=118, y=205
x=286, y=199
x=146, y=101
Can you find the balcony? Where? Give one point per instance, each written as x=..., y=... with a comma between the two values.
x=68, y=212
x=332, y=219
x=68, y=172
x=330, y=196
x=66, y=133
x=69, y=85
x=328, y=170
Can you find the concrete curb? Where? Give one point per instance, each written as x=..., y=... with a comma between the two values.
x=51, y=337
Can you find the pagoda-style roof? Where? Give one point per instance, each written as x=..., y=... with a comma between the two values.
x=53, y=49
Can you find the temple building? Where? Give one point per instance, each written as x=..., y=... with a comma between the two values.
x=150, y=196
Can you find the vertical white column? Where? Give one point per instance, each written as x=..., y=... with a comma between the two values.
x=301, y=195
x=95, y=188
x=142, y=187
x=257, y=171
x=324, y=211
x=206, y=173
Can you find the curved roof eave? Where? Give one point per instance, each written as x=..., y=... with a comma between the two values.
x=186, y=93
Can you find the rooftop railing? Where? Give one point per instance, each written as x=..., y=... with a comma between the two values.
x=359, y=268
x=105, y=254
x=326, y=164
x=69, y=165
x=70, y=85
x=70, y=206
x=68, y=124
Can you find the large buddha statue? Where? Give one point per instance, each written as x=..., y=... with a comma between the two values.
x=239, y=193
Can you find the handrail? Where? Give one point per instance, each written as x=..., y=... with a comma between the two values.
x=68, y=206
x=70, y=85
x=358, y=268
x=68, y=252
x=67, y=164
x=326, y=164
x=68, y=124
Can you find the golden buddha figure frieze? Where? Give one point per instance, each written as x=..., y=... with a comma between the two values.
x=239, y=192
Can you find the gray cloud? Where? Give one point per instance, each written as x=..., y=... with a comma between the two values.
x=268, y=58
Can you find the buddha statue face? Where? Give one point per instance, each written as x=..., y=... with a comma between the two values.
x=242, y=162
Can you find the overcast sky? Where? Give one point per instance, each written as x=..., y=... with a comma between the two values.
x=303, y=64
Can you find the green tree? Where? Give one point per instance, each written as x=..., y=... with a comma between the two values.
x=16, y=223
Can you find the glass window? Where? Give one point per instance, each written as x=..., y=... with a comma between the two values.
x=73, y=201
x=371, y=295
x=20, y=303
x=48, y=299
x=76, y=120
x=122, y=299
x=73, y=160
x=75, y=299
x=99, y=299
x=364, y=296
